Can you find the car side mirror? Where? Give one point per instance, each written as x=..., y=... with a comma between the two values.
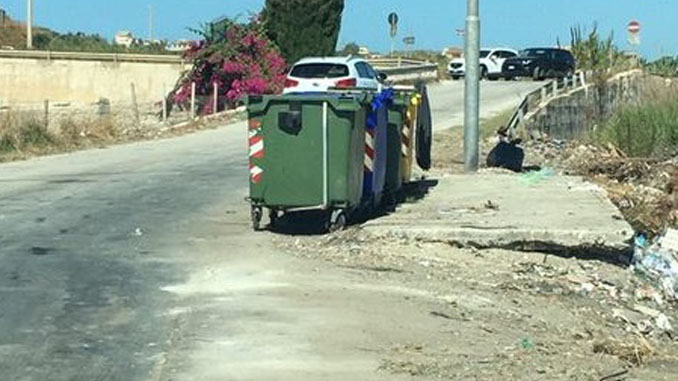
x=382, y=77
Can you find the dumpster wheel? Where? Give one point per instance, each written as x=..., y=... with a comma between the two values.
x=273, y=217
x=337, y=221
x=257, y=213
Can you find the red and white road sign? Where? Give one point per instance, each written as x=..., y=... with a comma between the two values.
x=634, y=27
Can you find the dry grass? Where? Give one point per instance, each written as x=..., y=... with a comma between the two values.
x=634, y=353
x=24, y=134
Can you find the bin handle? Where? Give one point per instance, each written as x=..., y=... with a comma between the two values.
x=326, y=195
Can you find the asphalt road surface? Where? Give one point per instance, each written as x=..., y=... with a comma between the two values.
x=447, y=99
x=137, y=262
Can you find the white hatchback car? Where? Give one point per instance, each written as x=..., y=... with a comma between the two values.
x=319, y=74
x=491, y=61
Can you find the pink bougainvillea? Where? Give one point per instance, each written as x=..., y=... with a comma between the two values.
x=241, y=60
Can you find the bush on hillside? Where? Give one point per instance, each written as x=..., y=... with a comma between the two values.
x=663, y=67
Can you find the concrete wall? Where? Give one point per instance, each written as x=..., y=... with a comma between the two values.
x=28, y=78
x=25, y=80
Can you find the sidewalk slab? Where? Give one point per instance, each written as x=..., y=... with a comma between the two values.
x=497, y=210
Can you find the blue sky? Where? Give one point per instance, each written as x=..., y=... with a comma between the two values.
x=515, y=23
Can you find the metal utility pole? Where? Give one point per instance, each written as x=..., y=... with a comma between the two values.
x=150, y=24
x=472, y=93
x=29, y=24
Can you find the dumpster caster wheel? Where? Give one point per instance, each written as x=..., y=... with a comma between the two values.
x=273, y=217
x=256, y=218
x=337, y=221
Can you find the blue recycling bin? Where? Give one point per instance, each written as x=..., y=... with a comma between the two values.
x=376, y=146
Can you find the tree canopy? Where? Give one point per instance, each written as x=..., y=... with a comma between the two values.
x=303, y=28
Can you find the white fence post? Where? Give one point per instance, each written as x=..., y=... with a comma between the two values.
x=192, y=100
x=544, y=95
x=555, y=88
x=47, y=113
x=582, y=78
x=164, y=102
x=135, y=105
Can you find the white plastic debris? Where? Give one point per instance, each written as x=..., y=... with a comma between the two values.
x=663, y=323
x=670, y=240
x=659, y=261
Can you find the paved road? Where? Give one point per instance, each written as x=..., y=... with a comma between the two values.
x=137, y=263
x=447, y=100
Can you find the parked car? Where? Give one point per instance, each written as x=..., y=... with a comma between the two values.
x=540, y=63
x=491, y=62
x=319, y=74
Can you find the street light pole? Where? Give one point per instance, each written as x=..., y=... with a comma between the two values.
x=29, y=24
x=150, y=24
x=472, y=92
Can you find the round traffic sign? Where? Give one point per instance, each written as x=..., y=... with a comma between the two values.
x=393, y=19
x=634, y=27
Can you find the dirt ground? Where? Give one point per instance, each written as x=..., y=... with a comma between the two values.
x=509, y=315
x=505, y=315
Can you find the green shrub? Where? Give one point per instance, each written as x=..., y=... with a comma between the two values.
x=642, y=130
x=663, y=67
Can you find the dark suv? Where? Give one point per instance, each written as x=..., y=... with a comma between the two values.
x=540, y=63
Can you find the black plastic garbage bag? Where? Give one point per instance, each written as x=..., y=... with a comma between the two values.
x=507, y=154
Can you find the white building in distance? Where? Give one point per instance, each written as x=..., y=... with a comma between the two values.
x=124, y=38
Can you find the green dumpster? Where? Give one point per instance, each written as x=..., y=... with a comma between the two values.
x=306, y=153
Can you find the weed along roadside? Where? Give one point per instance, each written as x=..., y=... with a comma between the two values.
x=24, y=134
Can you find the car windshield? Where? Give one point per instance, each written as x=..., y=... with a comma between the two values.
x=319, y=70
x=533, y=52
x=484, y=53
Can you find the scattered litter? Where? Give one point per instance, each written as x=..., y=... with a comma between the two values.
x=138, y=232
x=646, y=292
x=635, y=353
x=491, y=205
x=646, y=310
x=615, y=376
x=587, y=288
x=534, y=178
x=670, y=240
x=658, y=261
x=526, y=344
x=663, y=323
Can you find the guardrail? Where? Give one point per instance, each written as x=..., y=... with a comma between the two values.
x=402, y=69
x=556, y=89
x=394, y=62
x=542, y=96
